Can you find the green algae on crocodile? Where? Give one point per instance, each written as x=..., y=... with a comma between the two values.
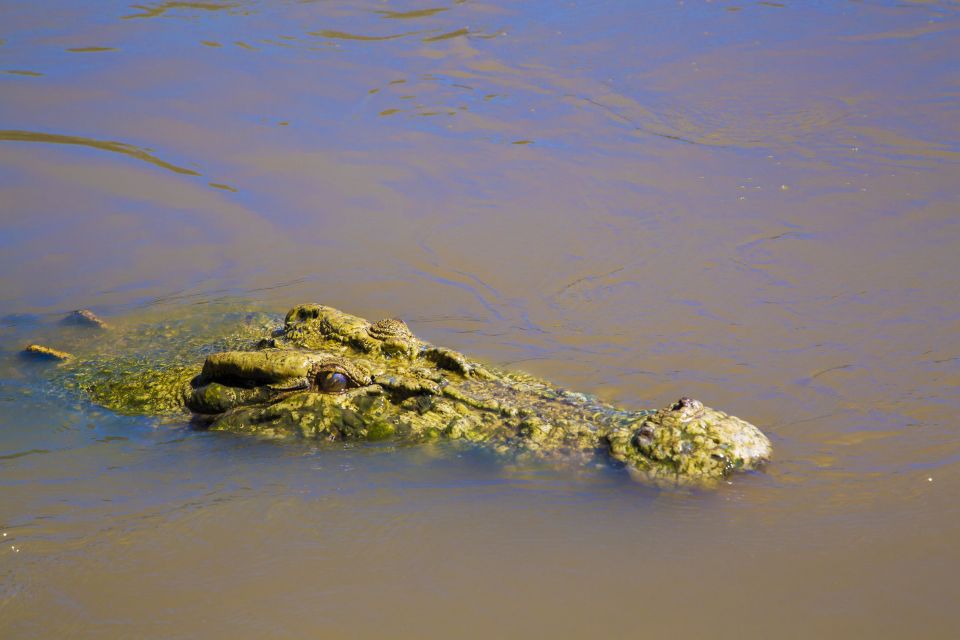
x=146, y=368
x=325, y=374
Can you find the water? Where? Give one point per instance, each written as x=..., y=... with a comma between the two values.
x=753, y=203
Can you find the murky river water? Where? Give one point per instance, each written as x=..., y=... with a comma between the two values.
x=755, y=203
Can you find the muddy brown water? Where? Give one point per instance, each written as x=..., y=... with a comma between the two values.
x=754, y=203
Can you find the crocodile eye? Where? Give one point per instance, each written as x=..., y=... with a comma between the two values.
x=336, y=375
x=332, y=382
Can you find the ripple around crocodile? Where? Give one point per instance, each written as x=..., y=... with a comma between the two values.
x=327, y=375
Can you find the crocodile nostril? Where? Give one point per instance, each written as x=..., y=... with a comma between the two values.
x=687, y=408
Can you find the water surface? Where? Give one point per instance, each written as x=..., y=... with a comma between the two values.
x=754, y=203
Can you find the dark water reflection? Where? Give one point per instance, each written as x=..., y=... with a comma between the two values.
x=751, y=202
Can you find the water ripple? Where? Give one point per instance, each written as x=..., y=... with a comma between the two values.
x=139, y=153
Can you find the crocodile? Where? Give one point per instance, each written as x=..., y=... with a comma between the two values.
x=323, y=374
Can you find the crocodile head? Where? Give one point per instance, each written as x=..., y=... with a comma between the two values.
x=329, y=375
x=689, y=440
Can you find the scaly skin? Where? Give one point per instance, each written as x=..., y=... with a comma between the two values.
x=329, y=375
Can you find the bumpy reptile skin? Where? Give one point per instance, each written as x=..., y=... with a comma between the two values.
x=325, y=374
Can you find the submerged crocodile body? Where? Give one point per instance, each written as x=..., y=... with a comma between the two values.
x=328, y=375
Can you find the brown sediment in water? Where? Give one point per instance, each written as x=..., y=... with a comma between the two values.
x=642, y=248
